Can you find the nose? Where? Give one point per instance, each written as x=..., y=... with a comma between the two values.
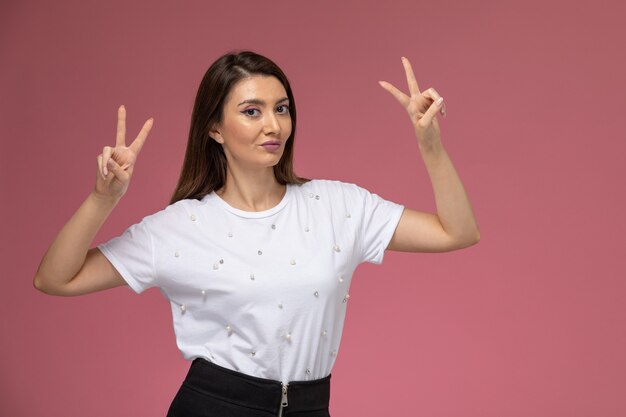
x=271, y=125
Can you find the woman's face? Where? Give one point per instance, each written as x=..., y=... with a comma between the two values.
x=256, y=112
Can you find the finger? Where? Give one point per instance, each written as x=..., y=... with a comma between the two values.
x=117, y=170
x=432, y=111
x=100, y=172
x=120, y=139
x=410, y=77
x=434, y=96
x=399, y=95
x=106, y=155
x=141, y=137
x=431, y=93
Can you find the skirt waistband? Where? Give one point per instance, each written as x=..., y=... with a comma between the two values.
x=255, y=392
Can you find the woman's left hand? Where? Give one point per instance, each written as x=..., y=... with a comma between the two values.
x=421, y=106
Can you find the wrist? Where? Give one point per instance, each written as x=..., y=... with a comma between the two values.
x=103, y=200
x=430, y=147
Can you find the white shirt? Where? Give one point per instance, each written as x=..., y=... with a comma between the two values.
x=263, y=293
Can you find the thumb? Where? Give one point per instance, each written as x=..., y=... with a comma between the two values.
x=117, y=170
x=432, y=111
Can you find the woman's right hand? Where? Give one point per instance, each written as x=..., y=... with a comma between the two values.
x=116, y=164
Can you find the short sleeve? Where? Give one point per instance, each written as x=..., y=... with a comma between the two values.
x=379, y=219
x=132, y=254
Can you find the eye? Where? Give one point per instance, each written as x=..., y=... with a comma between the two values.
x=283, y=109
x=250, y=112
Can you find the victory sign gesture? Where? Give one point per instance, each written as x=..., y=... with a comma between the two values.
x=422, y=107
x=116, y=164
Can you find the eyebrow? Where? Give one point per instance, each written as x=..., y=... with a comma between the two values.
x=260, y=102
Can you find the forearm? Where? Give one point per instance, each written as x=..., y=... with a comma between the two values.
x=67, y=253
x=453, y=206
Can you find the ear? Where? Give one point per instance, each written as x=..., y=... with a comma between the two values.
x=216, y=136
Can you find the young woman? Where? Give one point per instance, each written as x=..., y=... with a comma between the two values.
x=255, y=261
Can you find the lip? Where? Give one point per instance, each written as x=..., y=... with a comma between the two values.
x=271, y=142
x=271, y=146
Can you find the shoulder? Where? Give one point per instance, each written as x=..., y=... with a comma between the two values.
x=173, y=214
x=348, y=193
x=330, y=186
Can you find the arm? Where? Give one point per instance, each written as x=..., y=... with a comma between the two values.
x=69, y=267
x=453, y=226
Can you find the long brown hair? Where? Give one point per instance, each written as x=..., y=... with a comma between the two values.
x=205, y=164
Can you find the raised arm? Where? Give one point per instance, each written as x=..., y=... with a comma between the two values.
x=69, y=267
x=454, y=225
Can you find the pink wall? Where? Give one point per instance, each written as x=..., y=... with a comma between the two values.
x=531, y=322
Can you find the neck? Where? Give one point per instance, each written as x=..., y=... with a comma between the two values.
x=254, y=190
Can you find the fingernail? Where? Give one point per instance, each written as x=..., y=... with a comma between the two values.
x=439, y=101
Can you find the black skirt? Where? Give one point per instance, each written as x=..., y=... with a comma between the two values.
x=210, y=390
